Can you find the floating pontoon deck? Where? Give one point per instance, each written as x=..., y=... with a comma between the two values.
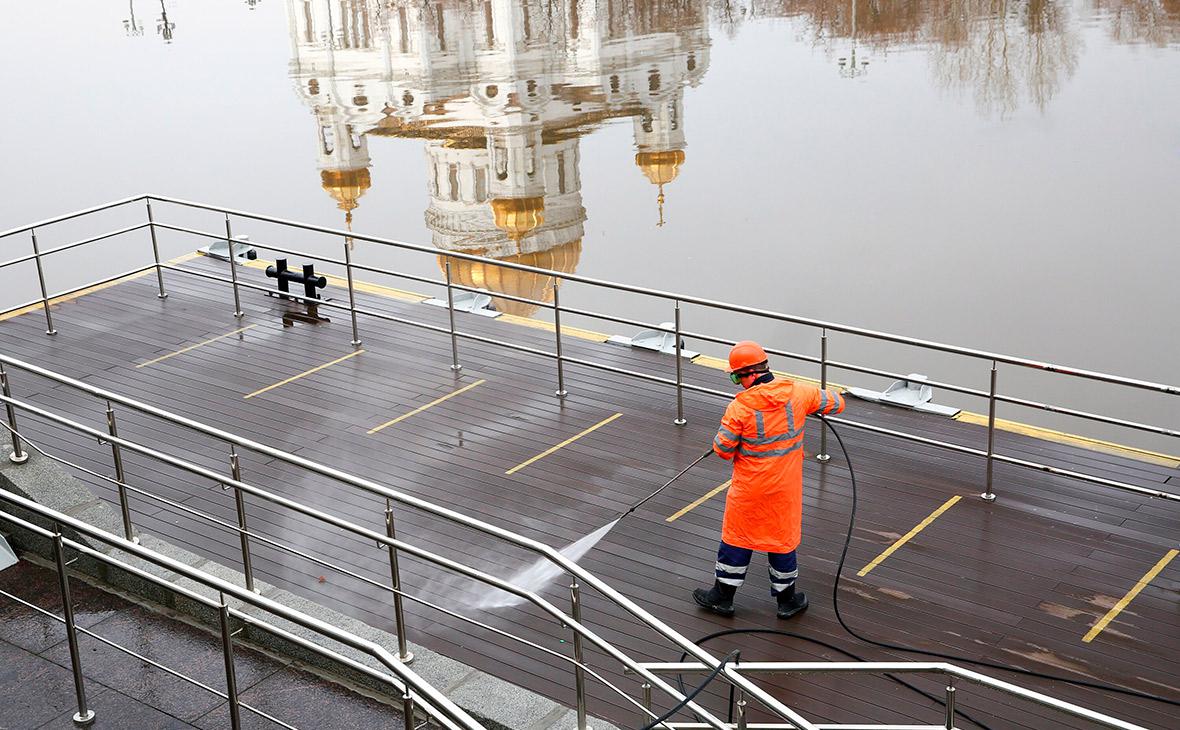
x=1066, y=576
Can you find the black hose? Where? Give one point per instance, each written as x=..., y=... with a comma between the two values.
x=699, y=688
x=940, y=655
x=887, y=645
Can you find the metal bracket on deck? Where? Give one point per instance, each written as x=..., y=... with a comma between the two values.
x=243, y=251
x=471, y=302
x=661, y=340
x=7, y=554
x=912, y=393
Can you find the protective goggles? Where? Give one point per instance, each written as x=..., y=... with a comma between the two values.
x=736, y=377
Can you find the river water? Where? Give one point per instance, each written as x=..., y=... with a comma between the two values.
x=996, y=174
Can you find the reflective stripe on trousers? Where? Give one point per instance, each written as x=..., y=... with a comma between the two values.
x=732, y=563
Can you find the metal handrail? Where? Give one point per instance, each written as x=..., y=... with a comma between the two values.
x=678, y=298
x=687, y=299
x=678, y=383
x=338, y=262
x=580, y=630
x=408, y=681
x=74, y=244
x=381, y=540
x=683, y=298
x=944, y=668
x=254, y=536
x=993, y=396
x=645, y=668
x=141, y=657
x=824, y=361
x=74, y=214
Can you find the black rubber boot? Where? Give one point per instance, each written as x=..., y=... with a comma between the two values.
x=791, y=603
x=718, y=599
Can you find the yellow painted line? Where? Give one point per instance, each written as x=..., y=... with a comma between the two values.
x=193, y=347
x=11, y=313
x=317, y=368
x=567, y=442
x=431, y=404
x=909, y=535
x=409, y=296
x=1085, y=442
x=697, y=503
x=541, y=324
x=1118, y=607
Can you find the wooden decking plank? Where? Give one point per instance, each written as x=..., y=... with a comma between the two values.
x=567, y=496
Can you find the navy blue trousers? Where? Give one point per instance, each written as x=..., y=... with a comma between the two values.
x=732, y=563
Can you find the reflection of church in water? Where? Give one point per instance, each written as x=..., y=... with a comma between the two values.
x=501, y=91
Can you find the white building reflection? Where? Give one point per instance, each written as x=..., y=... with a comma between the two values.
x=501, y=92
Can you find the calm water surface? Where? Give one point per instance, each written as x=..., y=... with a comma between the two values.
x=1001, y=175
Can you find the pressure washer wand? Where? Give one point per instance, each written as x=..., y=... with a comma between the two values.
x=667, y=484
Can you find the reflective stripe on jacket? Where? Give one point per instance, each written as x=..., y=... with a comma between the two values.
x=762, y=432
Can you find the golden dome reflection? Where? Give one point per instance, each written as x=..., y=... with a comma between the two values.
x=660, y=168
x=525, y=284
x=518, y=216
x=346, y=186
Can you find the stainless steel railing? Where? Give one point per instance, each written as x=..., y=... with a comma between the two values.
x=581, y=633
x=988, y=453
x=416, y=693
x=950, y=672
x=395, y=545
x=825, y=363
x=427, y=698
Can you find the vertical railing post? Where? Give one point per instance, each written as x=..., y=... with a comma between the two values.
x=233, y=267
x=680, y=420
x=646, y=687
x=18, y=455
x=49, y=330
x=561, y=391
x=399, y=615
x=408, y=709
x=356, y=337
x=579, y=671
x=988, y=495
x=451, y=314
x=120, y=475
x=742, y=719
x=823, y=455
x=156, y=251
x=85, y=715
x=235, y=466
x=231, y=679
x=950, y=703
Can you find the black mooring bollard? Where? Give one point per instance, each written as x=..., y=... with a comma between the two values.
x=309, y=279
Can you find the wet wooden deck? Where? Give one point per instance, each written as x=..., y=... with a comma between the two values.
x=1018, y=581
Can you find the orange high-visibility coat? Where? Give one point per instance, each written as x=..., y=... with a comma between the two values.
x=762, y=432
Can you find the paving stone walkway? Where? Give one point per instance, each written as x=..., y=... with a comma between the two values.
x=126, y=693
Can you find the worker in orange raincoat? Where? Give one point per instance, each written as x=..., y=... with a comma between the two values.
x=762, y=433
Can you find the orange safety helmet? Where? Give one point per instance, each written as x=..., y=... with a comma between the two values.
x=746, y=354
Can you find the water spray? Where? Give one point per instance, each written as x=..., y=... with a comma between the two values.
x=536, y=576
